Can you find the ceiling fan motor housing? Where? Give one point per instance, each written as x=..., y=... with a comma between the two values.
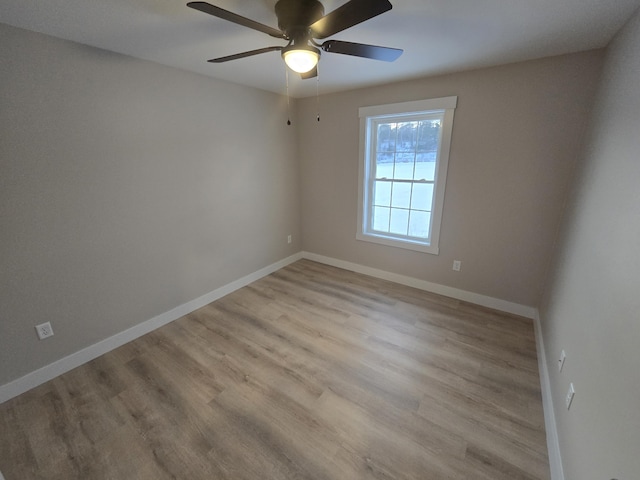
x=295, y=16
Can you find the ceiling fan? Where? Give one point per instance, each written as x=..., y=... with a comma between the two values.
x=301, y=23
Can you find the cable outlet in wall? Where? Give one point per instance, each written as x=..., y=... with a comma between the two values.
x=44, y=330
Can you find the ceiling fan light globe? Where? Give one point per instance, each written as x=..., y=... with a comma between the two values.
x=301, y=60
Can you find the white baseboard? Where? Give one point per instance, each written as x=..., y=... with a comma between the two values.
x=475, y=298
x=49, y=372
x=553, y=443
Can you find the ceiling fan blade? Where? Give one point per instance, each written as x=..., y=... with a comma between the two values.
x=374, y=52
x=235, y=18
x=310, y=74
x=348, y=15
x=244, y=54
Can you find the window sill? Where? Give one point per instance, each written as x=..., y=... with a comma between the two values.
x=393, y=242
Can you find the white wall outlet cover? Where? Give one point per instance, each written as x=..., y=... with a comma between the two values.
x=563, y=357
x=44, y=330
x=570, y=395
x=457, y=264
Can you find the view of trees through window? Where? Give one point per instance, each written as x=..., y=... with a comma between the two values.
x=405, y=165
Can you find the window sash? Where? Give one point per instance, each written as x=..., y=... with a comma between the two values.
x=410, y=208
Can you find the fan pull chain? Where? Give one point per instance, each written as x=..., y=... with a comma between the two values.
x=286, y=74
x=318, y=92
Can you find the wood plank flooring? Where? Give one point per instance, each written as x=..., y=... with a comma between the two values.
x=310, y=373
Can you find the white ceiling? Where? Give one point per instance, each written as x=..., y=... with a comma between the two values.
x=437, y=36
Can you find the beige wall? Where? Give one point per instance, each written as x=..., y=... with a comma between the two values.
x=592, y=309
x=516, y=136
x=126, y=189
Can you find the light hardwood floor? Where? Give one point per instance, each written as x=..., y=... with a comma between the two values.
x=310, y=373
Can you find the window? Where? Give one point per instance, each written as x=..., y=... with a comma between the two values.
x=404, y=150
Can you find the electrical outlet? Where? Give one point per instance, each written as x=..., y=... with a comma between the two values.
x=570, y=395
x=563, y=357
x=289, y=239
x=457, y=264
x=44, y=330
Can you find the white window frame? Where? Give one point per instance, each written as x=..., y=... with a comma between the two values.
x=399, y=112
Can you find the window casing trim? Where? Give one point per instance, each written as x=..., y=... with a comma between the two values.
x=405, y=110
